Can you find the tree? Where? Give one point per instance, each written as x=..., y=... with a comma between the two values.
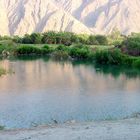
x=92, y=40
x=83, y=38
x=49, y=37
x=26, y=39
x=131, y=45
x=115, y=38
x=64, y=38
x=17, y=39
x=102, y=40
x=115, y=34
x=36, y=38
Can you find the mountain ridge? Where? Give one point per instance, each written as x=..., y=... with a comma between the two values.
x=18, y=17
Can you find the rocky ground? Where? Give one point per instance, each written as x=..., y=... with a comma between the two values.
x=128, y=129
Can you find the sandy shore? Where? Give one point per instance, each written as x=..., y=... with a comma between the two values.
x=105, y=130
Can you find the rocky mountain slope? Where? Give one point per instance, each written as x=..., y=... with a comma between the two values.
x=18, y=17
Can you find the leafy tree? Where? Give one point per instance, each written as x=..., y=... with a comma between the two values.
x=102, y=40
x=27, y=39
x=92, y=40
x=132, y=45
x=64, y=38
x=82, y=38
x=17, y=39
x=36, y=38
x=49, y=37
x=115, y=38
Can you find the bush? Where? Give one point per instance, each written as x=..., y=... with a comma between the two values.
x=132, y=45
x=115, y=38
x=136, y=63
x=36, y=38
x=92, y=40
x=102, y=40
x=46, y=49
x=27, y=50
x=8, y=46
x=97, y=40
x=79, y=52
x=114, y=57
x=82, y=38
x=2, y=48
x=26, y=39
x=62, y=48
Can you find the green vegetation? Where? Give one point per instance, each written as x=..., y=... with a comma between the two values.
x=131, y=45
x=65, y=38
x=114, y=49
x=115, y=38
x=114, y=57
x=97, y=40
x=2, y=71
x=136, y=63
x=80, y=52
x=28, y=50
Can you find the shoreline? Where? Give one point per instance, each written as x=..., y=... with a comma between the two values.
x=98, y=130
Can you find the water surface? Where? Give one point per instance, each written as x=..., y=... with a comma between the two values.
x=43, y=90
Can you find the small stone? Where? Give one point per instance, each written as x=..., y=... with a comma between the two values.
x=87, y=127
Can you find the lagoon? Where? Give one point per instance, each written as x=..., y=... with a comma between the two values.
x=42, y=90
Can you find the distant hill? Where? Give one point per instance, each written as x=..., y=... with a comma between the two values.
x=18, y=17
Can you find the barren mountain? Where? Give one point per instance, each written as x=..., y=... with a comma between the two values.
x=18, y=17
x=102, y=16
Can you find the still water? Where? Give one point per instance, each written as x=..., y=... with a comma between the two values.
x=42, y=90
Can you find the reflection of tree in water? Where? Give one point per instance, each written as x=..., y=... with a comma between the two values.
x=24, y=58
x=116, y=71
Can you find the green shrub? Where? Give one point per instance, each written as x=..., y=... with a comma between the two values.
x=136, y=63
x=132, y=45
x=62, y=48
x=46, y=47
x=82, y=38
x=2, y=48
x=97, y=40
x=114, y=57
x=47, y=50
x=27, y=50
x=9, y=47
x=102, y=40
x=79, y=52
x=92, y=40
x=80, y=46
x=36, y=38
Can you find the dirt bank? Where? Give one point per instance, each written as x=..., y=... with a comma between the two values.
x=106, y=130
